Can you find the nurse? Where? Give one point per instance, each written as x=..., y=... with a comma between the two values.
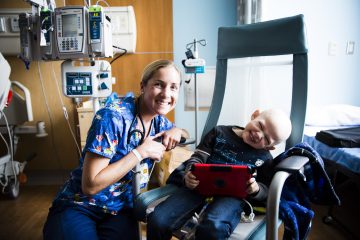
x=96, y=202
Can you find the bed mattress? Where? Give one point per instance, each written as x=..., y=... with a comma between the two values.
x=345, y=157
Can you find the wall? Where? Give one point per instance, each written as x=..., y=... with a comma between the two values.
x=332, y=79
x=58, y=150
x=198, y=19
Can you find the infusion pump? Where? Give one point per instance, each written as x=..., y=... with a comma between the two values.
x=69, y=32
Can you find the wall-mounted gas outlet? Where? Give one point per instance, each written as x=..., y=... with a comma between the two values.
x=350, y=47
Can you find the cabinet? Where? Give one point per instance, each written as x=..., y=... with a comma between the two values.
x=171, y=160
x=85, y=116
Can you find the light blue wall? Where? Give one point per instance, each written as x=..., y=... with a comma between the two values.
x=198, y=19
x=332, y=79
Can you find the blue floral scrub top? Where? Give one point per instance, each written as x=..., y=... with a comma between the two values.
x=107, y=137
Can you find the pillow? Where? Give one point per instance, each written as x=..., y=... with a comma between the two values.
x=333, y=115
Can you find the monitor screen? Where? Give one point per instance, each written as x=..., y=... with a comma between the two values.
x=69, y=25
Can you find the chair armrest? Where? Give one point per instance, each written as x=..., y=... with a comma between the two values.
x=150, y=199
x=284, y=169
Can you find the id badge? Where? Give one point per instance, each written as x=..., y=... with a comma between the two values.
x=144, y=175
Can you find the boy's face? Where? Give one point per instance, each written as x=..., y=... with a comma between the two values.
x=259, y=132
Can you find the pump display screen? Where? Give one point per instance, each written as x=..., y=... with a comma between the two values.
x=70, y=25
x=70, y=31
x=79, y=84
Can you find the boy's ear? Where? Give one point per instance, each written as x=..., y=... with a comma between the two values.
x=255, y=114
x=270, y=148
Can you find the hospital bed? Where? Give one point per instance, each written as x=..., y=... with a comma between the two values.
x=342, y=164
x=13, y=114
x=285, y=37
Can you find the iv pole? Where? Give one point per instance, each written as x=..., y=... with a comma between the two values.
x=196, y=98
x=195, y=65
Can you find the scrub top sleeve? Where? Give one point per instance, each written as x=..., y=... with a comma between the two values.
x=105, y=133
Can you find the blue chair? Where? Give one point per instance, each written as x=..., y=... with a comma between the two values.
x=284, y=36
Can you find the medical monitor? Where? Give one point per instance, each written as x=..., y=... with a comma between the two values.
x=71, y=32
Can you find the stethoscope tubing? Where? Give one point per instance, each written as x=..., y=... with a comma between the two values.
x=134, y=131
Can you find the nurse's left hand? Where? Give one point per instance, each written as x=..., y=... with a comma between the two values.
x=171, y=138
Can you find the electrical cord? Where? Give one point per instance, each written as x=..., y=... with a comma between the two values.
x=141, y=53
x=3, y=184
x=120, y=55
x=10, y=150
x=138, y=53
x=251, y=216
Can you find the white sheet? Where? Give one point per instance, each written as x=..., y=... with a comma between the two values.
x=333, y=115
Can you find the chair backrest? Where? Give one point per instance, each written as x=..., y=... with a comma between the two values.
x=284, y=36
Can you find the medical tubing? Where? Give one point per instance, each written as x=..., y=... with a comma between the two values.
x=6, y=179
x=85, y=2
x=46, y=30
x=50, y=117
x=97, y=3
x=65, y=110
x=11, y=148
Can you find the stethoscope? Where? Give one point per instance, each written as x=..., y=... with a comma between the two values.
x=138, y=131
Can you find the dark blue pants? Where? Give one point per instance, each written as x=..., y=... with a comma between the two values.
x=70, y=221
x=220, y=218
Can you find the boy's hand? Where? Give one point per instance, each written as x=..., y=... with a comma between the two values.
x=190, y=180
x=252, y=186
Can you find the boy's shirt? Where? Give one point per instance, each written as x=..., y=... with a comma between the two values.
x=223, y=146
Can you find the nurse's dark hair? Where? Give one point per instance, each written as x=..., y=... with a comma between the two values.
x=151, y=69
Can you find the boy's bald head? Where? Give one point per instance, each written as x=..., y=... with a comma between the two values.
x=279, y=122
